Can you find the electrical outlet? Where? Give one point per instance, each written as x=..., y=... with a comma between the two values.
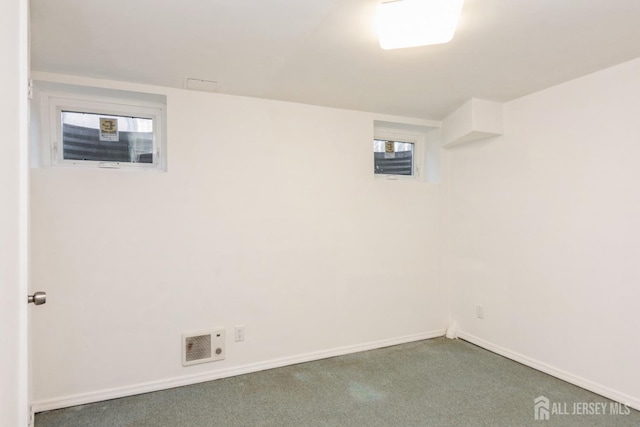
x=239, y=333
x=479, y=312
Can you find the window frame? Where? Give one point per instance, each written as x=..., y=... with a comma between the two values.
x=408, y=136
x=54, y=104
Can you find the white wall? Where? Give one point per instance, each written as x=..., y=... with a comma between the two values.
x=269, y=217
x=544, y=233
x=287, y=233
x=13, y=222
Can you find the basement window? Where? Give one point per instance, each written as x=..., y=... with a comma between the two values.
x=393, y=157
x=104, y=133
x=397, y=154
x=106, y=138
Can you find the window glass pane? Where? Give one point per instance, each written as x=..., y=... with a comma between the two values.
x=106, y=138
x=392, y=157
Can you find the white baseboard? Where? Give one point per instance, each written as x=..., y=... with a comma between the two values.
x=604, y=391
x=114, y=393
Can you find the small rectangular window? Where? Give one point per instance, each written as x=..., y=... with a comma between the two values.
x=393, y=157
x=406, y=151
x=106, y=138
x=397, y=153
x=104, y=132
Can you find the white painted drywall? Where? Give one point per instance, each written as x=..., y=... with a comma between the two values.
x=13, y=221
x=475, y=120
x=269, y=217
x=544, y=232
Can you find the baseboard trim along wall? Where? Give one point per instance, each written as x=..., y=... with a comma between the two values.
x=114, y=393
x=607, y=392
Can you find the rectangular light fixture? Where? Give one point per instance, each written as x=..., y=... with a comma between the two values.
x=409, y=23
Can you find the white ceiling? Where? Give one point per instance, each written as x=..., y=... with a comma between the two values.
x=325, y=52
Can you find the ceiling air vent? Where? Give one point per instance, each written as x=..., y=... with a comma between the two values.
x=202, y=347
x=200, y=84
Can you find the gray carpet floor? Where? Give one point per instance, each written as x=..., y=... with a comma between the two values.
x=436, y=382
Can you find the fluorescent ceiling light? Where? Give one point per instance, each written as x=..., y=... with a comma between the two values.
x=408, y=23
